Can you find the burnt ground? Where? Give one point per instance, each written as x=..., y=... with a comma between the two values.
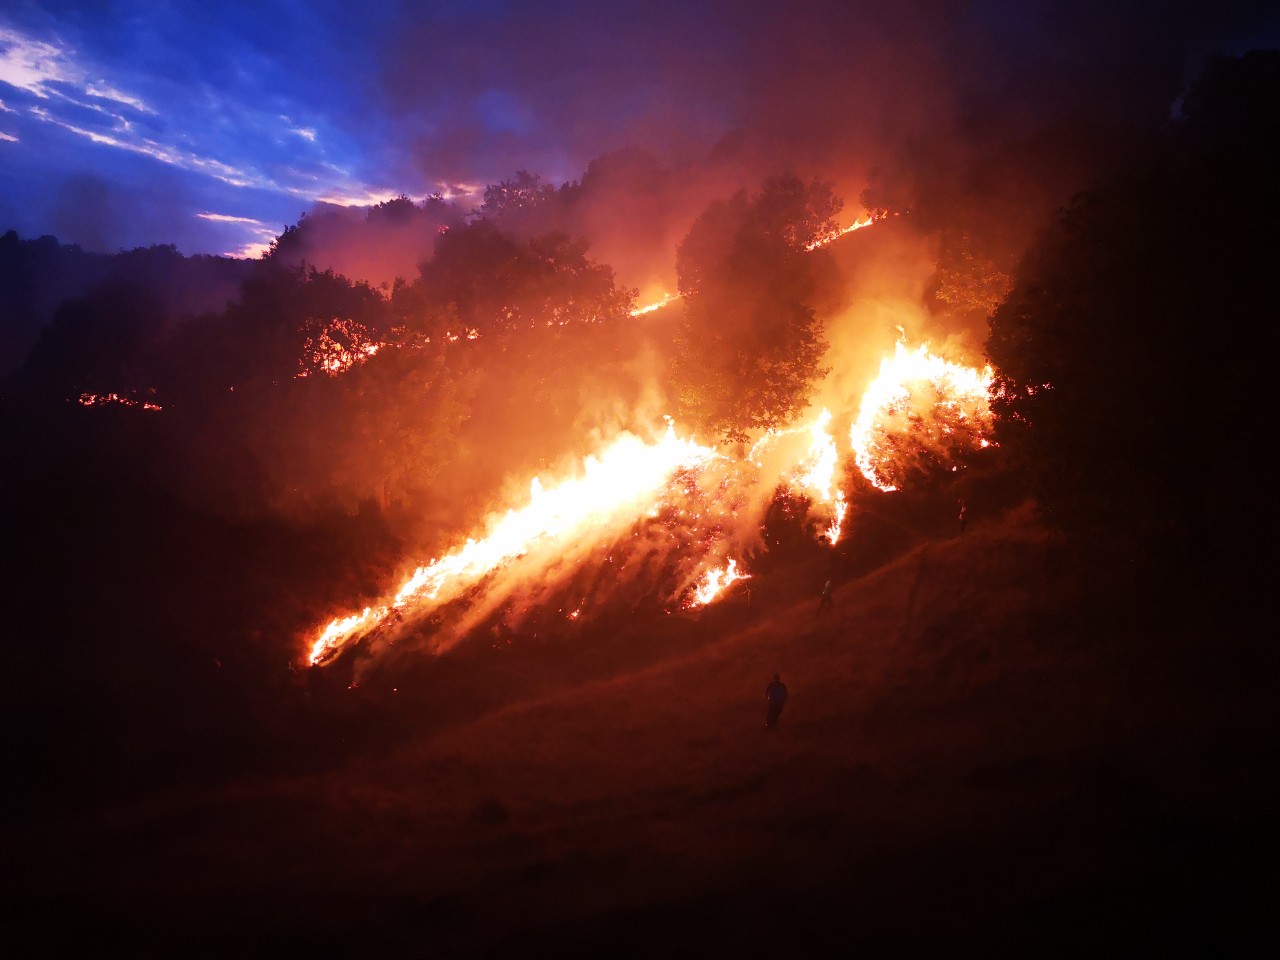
x=993, y=746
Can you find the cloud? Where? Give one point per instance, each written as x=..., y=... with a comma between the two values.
x=33, y=65
x=355, y=104
x=115, y=106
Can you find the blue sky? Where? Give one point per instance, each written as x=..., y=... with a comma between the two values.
x=125, y=124
x=213, y=126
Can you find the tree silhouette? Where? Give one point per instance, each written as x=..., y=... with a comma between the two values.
x=1133, y=351
x=492, y=283
x=748, y=348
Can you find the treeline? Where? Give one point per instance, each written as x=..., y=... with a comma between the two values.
x=1136, y=345
x=310, y=391
x=38, y=276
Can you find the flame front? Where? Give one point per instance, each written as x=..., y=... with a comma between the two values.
x=625, y=479
x=815, y=476
x=656, y=305
x=826, y=238
x=931, y=399
x=715, y=582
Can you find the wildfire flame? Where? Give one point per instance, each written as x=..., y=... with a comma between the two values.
x=656, y=305
x=826, y=238
x=715, y=582
x=335, y=347
x=915, y=389
x=624, y=478
x=816, y=474
x=931, y=401
x=630, y=478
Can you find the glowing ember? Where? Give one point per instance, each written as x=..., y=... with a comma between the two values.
x=936, y=405
x=335, y=347
x=837, y=234
x=103, y=399
x=715, y=582
x=622, y=480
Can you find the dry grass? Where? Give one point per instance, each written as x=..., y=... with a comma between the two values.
x=972, y=756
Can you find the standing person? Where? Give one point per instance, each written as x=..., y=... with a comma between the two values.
x=827, y=600
x=776, y=694
x=963, y=510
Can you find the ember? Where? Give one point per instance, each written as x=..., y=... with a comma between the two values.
x=103, y=399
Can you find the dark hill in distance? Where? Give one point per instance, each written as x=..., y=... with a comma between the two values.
x=993, y=746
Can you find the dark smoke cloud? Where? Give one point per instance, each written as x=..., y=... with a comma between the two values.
x=722, y=94
x=549, y=87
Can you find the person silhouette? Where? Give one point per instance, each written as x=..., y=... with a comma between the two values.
x=827, y=601
x=776, y=695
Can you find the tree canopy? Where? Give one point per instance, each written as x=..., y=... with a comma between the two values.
x=1133, y=351
x=749, y=347
x=483, y=279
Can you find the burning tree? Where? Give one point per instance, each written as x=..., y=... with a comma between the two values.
x=485, y=280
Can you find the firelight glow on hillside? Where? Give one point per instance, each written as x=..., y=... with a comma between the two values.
x=632, y=478
x=494, y=479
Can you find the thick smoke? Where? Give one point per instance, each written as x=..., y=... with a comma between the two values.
x=724, y=94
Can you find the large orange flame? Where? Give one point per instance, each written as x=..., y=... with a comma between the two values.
x=625, y=478
x=815, y=475
x=917, y=389
x=714, y=582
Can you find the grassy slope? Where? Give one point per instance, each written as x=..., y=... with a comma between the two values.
x=987, y=750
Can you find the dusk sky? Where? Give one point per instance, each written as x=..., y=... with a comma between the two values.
x=214, y=126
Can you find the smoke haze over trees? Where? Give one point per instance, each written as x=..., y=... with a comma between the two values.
x=748, y=349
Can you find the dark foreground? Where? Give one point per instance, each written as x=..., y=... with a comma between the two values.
x=992, y=747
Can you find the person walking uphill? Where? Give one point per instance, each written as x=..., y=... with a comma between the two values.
x=776, y=694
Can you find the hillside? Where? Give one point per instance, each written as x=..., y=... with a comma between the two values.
x=992, y=746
